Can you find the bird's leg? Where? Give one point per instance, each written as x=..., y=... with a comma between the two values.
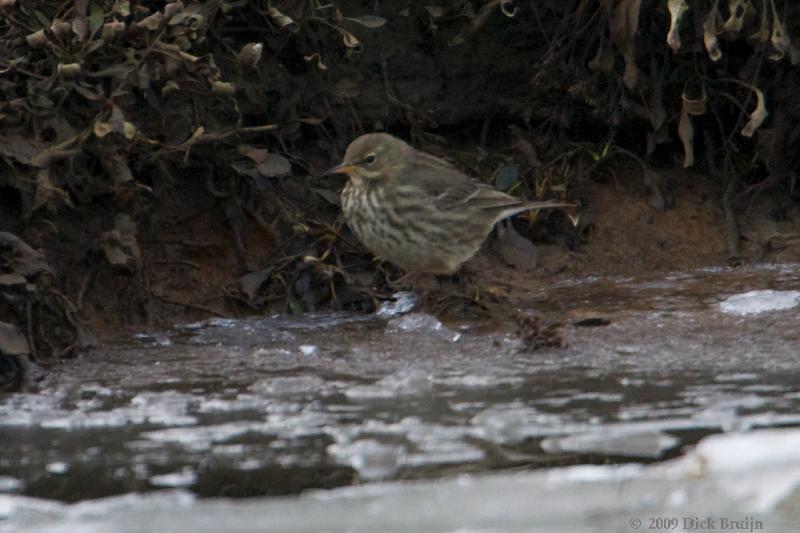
x=406, y=281
x=465, y=278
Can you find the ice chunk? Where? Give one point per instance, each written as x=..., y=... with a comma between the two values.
x=403, y=303
x=761, y=301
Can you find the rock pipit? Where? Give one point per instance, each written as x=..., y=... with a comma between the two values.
x=418, y=211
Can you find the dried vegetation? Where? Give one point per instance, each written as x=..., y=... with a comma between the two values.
x=163, y=156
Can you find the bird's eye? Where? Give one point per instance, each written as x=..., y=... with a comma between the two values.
x=370, y=159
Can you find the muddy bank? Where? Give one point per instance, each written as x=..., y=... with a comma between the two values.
x=162, y=163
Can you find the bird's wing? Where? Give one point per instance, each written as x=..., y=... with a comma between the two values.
x=449, y=188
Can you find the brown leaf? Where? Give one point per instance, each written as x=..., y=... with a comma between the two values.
x=12, y=341
x=116, y=124
x=47, y=194
x=80, y=26
x=695, y=104
x=350, y=40
x=12, y=280
x=20, y=257
x=368, y=21
x=223, y=88
x=623, y=25
x=779, y=39
x=250, y=55
x=757, y=116
x=116, y=166
x=275, y=166
x=37, y=39
x=151, y=23
x=676, y=10
x=120, y=245
x=282, y=21
x=711, y=29
x=318, y=59
x=737, y=10
x=257, y=155
x=252, y=282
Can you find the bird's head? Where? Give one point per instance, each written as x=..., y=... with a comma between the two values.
x=373, y=158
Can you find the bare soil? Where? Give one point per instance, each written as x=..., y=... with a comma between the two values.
x=192, y=264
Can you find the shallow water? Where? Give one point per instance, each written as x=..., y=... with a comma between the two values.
x=279, y=405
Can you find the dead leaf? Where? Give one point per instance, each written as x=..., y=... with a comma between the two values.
x=737, y=10
x=758, y=115
x=116, y=166
x=80, y=26
x=350, y=40
x=368, y=21
x=172, y=8
x=779, y=38
x=676, y=10
x=112, y=30
x=275, y=166
x=505, y=8
x=61, y=29
x=21, y=258
x=223, y=88
x=170, y=88
x=252, y=282
x=711, y=29
x=47, y=194
x=37, y=39
x=250, y=55
x=695, y=105
x=12, y=341
x=434, y=11
x=120, y=245
x=246, y=170
x=623, y=25
x=116, y=124
x=282, y=21
x=317, y=59
x=151, y=23
x=68, y=70
x=12, y=280
x=257, y=155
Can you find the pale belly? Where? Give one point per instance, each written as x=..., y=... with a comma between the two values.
x=417, y=241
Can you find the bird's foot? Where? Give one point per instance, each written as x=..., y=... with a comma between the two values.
x=408, y=281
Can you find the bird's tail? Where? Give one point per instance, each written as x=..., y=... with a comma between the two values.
x=530, y=206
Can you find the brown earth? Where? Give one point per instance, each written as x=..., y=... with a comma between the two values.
x=192, y=264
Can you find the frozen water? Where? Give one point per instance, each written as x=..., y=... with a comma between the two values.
x=760, y=301
x=279, y=405
x=183, y=478
x=404, y=302
x=727, y=477
x=621, y=441
x=414, y=322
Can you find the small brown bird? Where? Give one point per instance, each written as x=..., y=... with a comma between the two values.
x=418, y=211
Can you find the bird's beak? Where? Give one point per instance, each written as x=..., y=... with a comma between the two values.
x=341, y=168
